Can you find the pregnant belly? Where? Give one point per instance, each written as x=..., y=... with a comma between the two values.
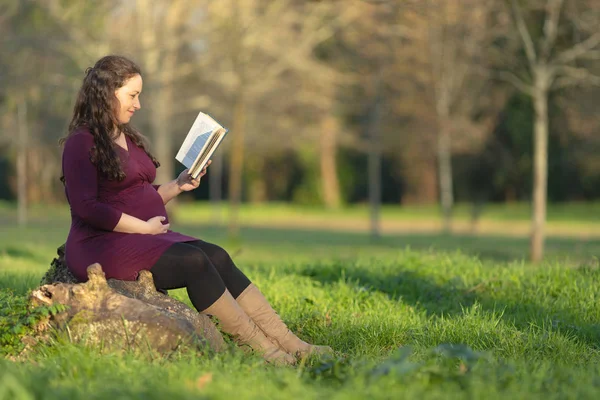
x=142, y=202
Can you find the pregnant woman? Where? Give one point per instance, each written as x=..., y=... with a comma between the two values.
x=118, y=217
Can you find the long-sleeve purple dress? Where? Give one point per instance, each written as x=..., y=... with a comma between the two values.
x=97, y=205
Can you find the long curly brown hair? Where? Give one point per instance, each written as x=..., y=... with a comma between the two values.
x=96, y=109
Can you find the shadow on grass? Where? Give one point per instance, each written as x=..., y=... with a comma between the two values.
x=406, y=284
x=491, y=248
x=448, y=300
x=423, y=292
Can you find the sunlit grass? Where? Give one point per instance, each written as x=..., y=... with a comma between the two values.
x=583, y=213
x=389, y=308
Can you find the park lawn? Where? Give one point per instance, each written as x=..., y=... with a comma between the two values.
x=569, y=213
x=567, y=220
x=410, y=316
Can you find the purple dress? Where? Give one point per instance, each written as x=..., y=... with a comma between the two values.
x=97, y=205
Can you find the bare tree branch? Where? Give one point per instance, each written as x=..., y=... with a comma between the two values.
x=516, y=82
x=553, y=11
x=83, y=47
x=524, y=33
x=579, y=50
x=193, y=104
x=592, y=55
x=572, y=76
x=8, y=9
x=313, y=33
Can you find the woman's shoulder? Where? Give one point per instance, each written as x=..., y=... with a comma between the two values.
x=80, y=137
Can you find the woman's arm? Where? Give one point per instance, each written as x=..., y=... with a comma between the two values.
x=183, y=183
x=168, y=191
x=129, y=224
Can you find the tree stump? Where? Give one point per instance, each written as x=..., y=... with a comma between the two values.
x=122, y=314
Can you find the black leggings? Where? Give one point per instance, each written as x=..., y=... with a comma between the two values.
x=203, y=268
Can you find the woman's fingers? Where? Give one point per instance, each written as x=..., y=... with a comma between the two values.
x=205, y=167
x=156, y=225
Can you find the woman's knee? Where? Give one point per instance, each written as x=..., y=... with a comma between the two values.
x=197, y=263
x=219, y=257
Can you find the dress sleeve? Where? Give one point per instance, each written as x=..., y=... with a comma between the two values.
x=81, y=180
x=155, y=187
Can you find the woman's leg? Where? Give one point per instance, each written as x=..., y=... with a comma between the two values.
x=182, y=266
x=254, y=303
x=266, y=318
x=235, y=280
x=187, y=266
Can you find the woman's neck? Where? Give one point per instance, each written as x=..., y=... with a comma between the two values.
x=117, y=133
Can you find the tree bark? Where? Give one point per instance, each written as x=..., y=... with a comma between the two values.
x=540, y=165
x=445, y=175
x=215, y=189
x=420, y=173
x=161, y=60
x=375, y=187
x=236, y=163
x=257, y=184
x=162, y=119
x=374, y=163
x=22, y=162
x=329, y=173
x=121, y=314
x=162, y=145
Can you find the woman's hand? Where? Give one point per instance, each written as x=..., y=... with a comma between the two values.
x=155, y=226
x=185, y=182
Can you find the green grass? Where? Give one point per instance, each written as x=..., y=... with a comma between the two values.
x=391, y=309
x=569, y=213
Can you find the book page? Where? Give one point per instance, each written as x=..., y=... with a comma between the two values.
x=209, y=149
x=195, y=149
x=196, y=139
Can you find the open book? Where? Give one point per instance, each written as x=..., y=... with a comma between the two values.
x=202, y=140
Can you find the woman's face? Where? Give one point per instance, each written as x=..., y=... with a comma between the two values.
x=129, y=99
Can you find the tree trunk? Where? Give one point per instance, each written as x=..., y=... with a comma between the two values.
x=161, y=120
x=540, y=166
x=100, y=310
x=34, y=165
x=257, y=184
x=329, y=174
x=236, y=162
x=216, y=183
x=22, y=163
x=428, y=190
x=375, y=186
x=160, y=60
x=162, y=146
x=420, y=172
x=445, y=175
x=374, y=164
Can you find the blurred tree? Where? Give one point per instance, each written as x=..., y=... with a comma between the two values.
x=165, y=28
x=26, y=57
x=557, y=39
x=365, y=49
x=336, y=95
x=257, y=45
x=446, y=51
x=582, y=145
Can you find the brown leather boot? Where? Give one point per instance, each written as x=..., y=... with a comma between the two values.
x=258, y=308
x=236, y=322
